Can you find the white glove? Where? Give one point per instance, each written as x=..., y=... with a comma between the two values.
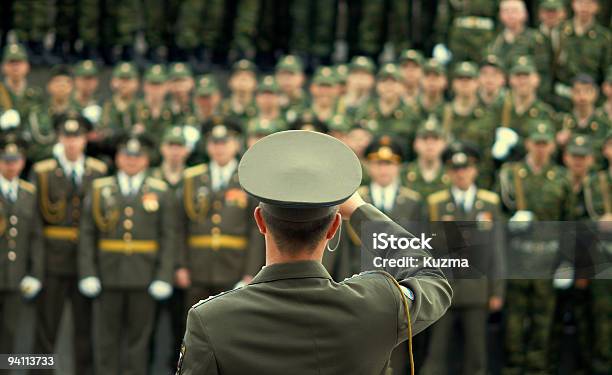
x=160, y=290
x=500, y=150
x=192, y=136
x=521, y=220
x=30, y=286
x=92, y=113
x=10, y=119
x=442, y=54
x=563, y=277
x=90, y=286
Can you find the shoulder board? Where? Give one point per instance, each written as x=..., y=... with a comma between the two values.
x=97, y=165
x=195, y=171
x=439, y=196
x=23, y=184
x=203, y=301
x=103, y=181
x=409, y=193
x=45, y=165
x=157, y=183
x=488, y=196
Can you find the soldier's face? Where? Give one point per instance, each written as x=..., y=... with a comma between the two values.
x=125, y=86
x=388, y=88
x=174, y=154
x=326, y=93
x=360, y=80
x=180, y=86
x=584, y=94
x=242, y=82
x=541, y=150
x=208, y=103
x=383, y=172
x=433, y=83
x=11, y=169
x=87, y=85
x=585, y=9
x=222, y=152
x=267, y=101
x=551, y=17
x=411, y=72
x=465, y=87
x=155, y=91
x=16, y=69
x=60, y=86
x=512, y=14
x=524, y=84
x=578, y=164
x=131, y=164
x=429, y=147
x=463, y=177
x=289, y=82
x=74, y=145
x=491, y=79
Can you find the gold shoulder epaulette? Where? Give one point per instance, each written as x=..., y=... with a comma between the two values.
x=438, y=196
x=195, y=171
x=45, y=165
x=103, y=181
x=157, y=183
x=488, y=196
x=97, y=165
x=409, y=193
x=23, y=184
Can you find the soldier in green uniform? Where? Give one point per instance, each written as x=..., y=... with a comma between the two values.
x=298, y=216
x=220, y=243
x=478, y=290
x=492, y=82
x=426, y=174
x=584, y=47
x=126, y=256
x=550, y=14
x=61, y=184
x=465, y=119
x=324, y=100
x=267, y=100
x=584, y=119
x=465, y=27
x=388, y=110
x=290, y=77
x=533, y=190
x=180, y=90
x=410, y=63
x=86, y=82
x=21, y=260
x=15, y=92
x=207, y=98
x=242, y=84
x=434, y=83
x=359, y=84
x=258, y=128
x=312, y=33
x=605, y=110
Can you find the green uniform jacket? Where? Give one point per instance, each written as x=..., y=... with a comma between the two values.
x=60, y=206
x=128, y=241
x=413, y=178
x=21, y=251
x=400, y=122
x=221, y=242
x=408, y=206
x=468, y=290
x=294, y=318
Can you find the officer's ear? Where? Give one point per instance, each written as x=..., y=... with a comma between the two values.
x=261, y=224
x=331, y=232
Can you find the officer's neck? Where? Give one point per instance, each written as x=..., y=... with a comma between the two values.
x=431, y=98
x=464, y=104
x=8, y=178
x=275, y=256
x=429, y=164
x=83, y=97
x=583, y=112
x=522, y=102
x=577, y=178
x=537, y=164
x=582, y=24
x=16, y=84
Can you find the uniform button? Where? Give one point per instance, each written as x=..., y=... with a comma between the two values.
x=128, y=211
x=13, y=220
x=217, y=205
x=12, y=244
x=12, y=256
x=216, y=218
x=128, y=224
x=13, y=232
x=127, y=236
x=215, y=231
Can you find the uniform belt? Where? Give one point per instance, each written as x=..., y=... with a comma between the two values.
x=218, y=241
x=61, y=233
x=123, y=246
x=472, y=22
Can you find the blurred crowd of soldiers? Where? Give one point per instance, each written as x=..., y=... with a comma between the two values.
x=130, y=204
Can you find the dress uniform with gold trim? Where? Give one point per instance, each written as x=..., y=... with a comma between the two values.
x=61, y=186
x=126, y=258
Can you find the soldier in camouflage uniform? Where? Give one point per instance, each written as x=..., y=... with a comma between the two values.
x=221, y=244
x=465, y=119
x=242, y=84
x=21, y=257
x=533, y=189
x=433, y=85
x=312, y=32
x=411, y=67
x=480, y=288
x=465, y=27
x=359, y=84
x=426, y=174
x=126, y=257
x=492, y=82
x=290, y=77
x=62, y=182
x=584, y=47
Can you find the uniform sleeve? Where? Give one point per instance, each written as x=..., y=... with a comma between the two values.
x=197, y=353
x=87, y=242
x=168, y=238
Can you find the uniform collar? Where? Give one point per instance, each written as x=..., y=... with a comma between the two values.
x=292, y=270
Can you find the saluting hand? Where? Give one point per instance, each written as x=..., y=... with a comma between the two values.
x=347, y=208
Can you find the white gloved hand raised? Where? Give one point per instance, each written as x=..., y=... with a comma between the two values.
x=500, y=150
x=92, y=113
x=442, y=54
x=160, y=290
x=30, y=286
x=90, y=286
x=506, y=135
x=564, y=276
x=10, y=119
x=521, y=220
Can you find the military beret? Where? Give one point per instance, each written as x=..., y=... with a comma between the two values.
x=179, y=70
x=523, y=65
x=14, y=52
x=465, y=69
x=290, y=63
x=411, y=55
x=460, y=154
x=244, y=65
x=85, y=68
x=174, y=136
x=324, y=75
x=221, y=129
x=385, y=148
x=72, y=123
x=155, y=74
x=389, y=70
x=541, y=131
x=430, y=127
x=125, y=70
x=580, y=145
x=300, y=176
x=267, y=84
x=135, y=144
x=258, y=126
x=362, y=63
x=492, y=60
x=434, y=66
x=206, y=85
x=12, y=146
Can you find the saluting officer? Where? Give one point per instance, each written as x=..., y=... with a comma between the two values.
x=62, y=182
x=220, y=242
x=21, y=257
x=292, y=314
x=125, y=256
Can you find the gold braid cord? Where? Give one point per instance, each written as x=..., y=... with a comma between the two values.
x=195, y=212
x=5, y=99
x=506, y=111
x=53, y=212
x=103, y=222
x=518, y=189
